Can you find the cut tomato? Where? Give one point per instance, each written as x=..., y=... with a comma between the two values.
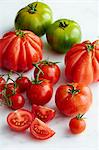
x=20, y=120
x=43, y=113
x=40, y=130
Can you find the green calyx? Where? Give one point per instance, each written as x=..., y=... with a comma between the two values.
x=73, y=91
x=32, y=8
x=63, y=25
x=20, y=33
x=46, y=62
x=79, y=116
x=89, y=47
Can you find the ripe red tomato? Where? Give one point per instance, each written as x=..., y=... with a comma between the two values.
x=40, y=93
x=20, y=120
x=77, y=125
x=19, y=49
x=16, y=101
x=2, y=82
x=11, y=89
x=82, y=62
x=50, y=70
x=74, y=98
x=23, y=83
x=40, y=130
x=43, y=113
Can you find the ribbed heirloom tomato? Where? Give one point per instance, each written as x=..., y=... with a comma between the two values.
x=19, y=49
x=73, y=99
x=82, y=62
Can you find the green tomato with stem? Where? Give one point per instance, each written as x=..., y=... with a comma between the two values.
x=62, y=34
x=35, y=17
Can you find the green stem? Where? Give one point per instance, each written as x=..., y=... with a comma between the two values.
x=79, y=116
x=20, y=33
x=89, y=47
x=32, y=9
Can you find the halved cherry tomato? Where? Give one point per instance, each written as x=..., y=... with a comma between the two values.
x=23, y=83
x=16, y=101
x=40, y=130
x=2, y=82
x=20, y=120
x=50, y=71
x=12, y=88
x=77, y=124
x=43, y=113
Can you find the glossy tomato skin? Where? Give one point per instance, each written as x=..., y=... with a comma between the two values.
x=41, y=93
x=40, y=130
x=23, y=48
x=36, y=21
x=51, y=72
x=82, y=63
x=62, y=34
x=2, y=82
x=20, y=120
x=77, y=126
x=11, y=89
x=73, y=104
x=17, y=101
x=23, y=83
x=43, y=113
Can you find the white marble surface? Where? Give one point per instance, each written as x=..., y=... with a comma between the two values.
x=85, y=12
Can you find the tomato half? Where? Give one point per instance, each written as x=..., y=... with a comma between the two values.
x=43, y=113
x=20, y=120
x=40, y=130
x=73, y=99
x=51, y=71
x=40, y=93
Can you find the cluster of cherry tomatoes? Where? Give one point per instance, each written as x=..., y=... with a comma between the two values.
x=72, y=99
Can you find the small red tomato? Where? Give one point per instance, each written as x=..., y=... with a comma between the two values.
x=40, y=92
x=16, y=101
x=20, y=120
x=23, y=83
x=77, y=125
x=50, y=71
x=11, y=88
x=40, y=130
x=43, y=113
x=2, y=82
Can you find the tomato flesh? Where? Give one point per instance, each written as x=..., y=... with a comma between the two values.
x=20, y=120
x=43, y=113
x=40, y=130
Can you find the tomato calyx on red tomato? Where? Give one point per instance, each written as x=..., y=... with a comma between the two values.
x=20, y=33
x=89, y=46
x=73, y=90
x=79, y=116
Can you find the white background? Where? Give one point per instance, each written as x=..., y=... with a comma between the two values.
x=85, y=12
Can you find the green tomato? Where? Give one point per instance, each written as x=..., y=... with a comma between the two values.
x=62, y=34
x=35, y=17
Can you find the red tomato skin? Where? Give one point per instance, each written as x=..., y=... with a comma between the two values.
x=82, y=65
x=40, y=94
x=10, y=88
x=18, y=52
x=21, y=113
x=77, y=126
x=23, y=83
x=2, y=82
x=72, y=105
x=38, y=125
x=45, y=114
x=51, y=72
x=17, y=100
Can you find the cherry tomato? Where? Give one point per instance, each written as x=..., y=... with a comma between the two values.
x=16, y=101
x=43, y=113
x=40, y=130
x=11, y=89
x=74, y=98
x=23, y=83
x=77, y=125
x=2, y=82
x=40, y=92
x=50, y=70
x=20, y=120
